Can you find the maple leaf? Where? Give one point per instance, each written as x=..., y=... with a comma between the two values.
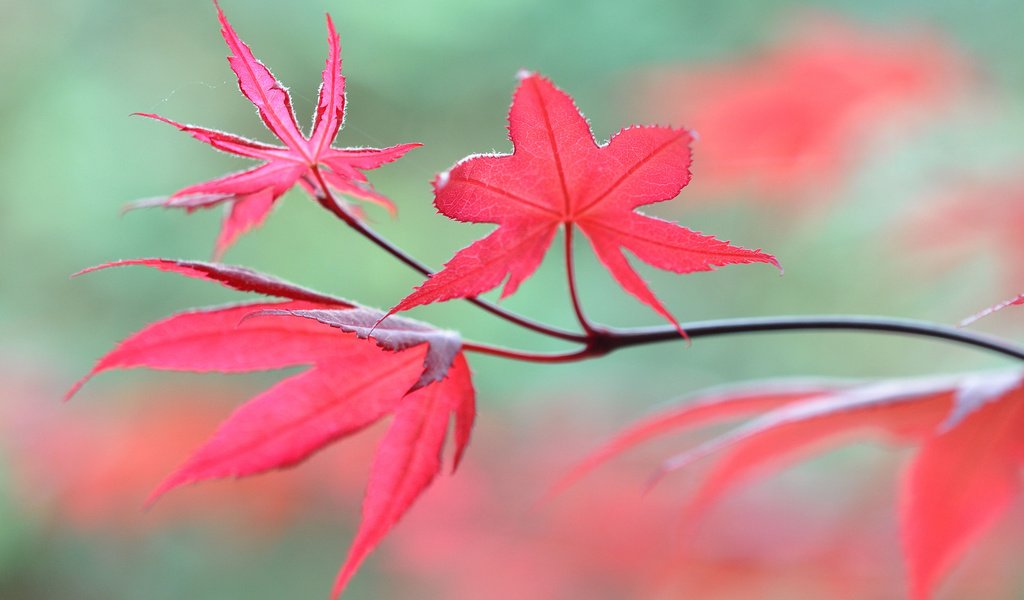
x=392, y=333
x=417, y=375
x=559, y=176
x=963, y=477
x=311, y=162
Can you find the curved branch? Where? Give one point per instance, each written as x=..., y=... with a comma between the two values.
x=621, y=338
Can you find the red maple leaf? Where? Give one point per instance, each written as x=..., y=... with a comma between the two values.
x=963, y=477
x=558, y=176
x=310, y=162
x=411, y=371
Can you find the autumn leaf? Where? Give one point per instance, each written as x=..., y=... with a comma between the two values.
x=350, y=384
x=392, y=333
x=970, y=431
x=559, y=176
x=707, y=408
x=235, y=277
x=410, y=457
x=311, y=162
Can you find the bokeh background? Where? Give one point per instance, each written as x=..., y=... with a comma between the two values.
x=873, y=147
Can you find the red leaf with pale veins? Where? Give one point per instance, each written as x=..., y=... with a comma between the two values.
x=391, y=333
x=259, y=85
x=232, y=144
x=559, y=176
x=465, y=406
x=232, y=276
x=350, y=384
x=408, y=460
x=959, y=484
x=330, y=105
x=342, y=394
x=245, y=213
x=971, y=428
x=253, y=192
x=216, y=340
x=709, y=408
x=347, y=160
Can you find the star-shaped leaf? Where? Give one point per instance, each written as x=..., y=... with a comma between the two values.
x=558, y=176
x=311, y=162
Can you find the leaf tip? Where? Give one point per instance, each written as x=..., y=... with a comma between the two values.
x=775, y=263
x=167, y=485
x=75, y=387
x=344, y=575
x=524, y=74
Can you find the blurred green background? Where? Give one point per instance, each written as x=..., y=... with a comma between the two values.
x=441, y=73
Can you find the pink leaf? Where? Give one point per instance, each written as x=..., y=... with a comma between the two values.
x=231, y=276
x=709, y=408
x=216, y=340
x=250, y=194
x=227, y=142
x=408, y=459
x=282, y=426
x=559, y=176
x=392, y=333
x=971, y=430
x=959, y=483
x=259, y=85
x=330, y=106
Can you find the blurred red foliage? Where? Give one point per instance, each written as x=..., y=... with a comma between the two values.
x=972, y=220
x=786, y=122
x=93, y=469
x=480, y=536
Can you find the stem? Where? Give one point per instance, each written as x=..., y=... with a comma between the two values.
x=621, y=338
x=570, y=275
x=574, y=356
x=606, y=341
x=328, y=201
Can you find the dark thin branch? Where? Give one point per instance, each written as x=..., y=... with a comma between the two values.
x=599, y=341
x=621, y=338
